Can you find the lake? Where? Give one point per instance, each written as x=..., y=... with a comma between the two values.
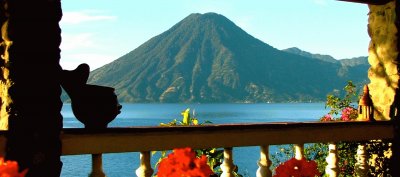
x=125, y=164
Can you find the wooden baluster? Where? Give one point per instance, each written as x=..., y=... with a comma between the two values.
x=97, y=166
x=144, y=169
x=361, y=167
x=332, y=169
x=299, y=151
x=264, y=163
x=227, y=166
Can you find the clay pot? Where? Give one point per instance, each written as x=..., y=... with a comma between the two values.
x=95, y=106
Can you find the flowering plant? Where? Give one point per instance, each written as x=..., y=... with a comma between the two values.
x=214, y=155
x=10, y=169
x=184, y=163
x=348, y=114
x=343, y=109
x=347, y=150
x=297, y=168
x=342, y=106
x=327, y=118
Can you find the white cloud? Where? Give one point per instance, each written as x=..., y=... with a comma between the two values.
x=84, y=48
x=78, y=17
x=77, y=41
x=94, y=60
x=79, y=46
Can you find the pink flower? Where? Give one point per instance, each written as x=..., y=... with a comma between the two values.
x=327, y=118
x=348, y=114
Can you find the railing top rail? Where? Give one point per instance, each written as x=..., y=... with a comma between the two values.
x=77, y=141
x=224, y=127
x=145, y=138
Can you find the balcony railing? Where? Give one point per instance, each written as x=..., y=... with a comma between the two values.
x=145, y=139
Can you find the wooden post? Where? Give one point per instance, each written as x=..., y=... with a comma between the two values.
x=361, y=167
x=97, y=166
x=298, y=151
x=144, y=169
x=332, y=169
x=227, y=166
x=30, y=84
x=264, y=163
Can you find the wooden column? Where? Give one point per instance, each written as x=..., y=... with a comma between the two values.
x=144, y=169
x=227, y=166
x=299, y=151
x=30, y=85
x=361, y=167
x=97, y=166
x=332, y=169
x=264, y=163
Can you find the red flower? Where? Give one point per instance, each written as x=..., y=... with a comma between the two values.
x=297, y=168
x=10, y=169
x=184, y=163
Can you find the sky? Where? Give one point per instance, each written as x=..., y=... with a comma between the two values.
x=98, y=32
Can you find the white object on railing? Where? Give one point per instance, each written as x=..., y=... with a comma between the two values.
x=332, y=169
x=298, y=151
x=264, y=163
x=97, y=166
x=144, y=169
x=361, y=167
x=227, y=166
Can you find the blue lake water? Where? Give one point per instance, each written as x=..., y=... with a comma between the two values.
x=125, y=164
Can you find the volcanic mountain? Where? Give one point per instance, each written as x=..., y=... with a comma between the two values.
x=207, y=58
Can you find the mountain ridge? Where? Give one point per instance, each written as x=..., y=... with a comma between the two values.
x=208, y=58
x=345, y=61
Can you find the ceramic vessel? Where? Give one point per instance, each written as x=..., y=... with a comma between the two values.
x=95, y=106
